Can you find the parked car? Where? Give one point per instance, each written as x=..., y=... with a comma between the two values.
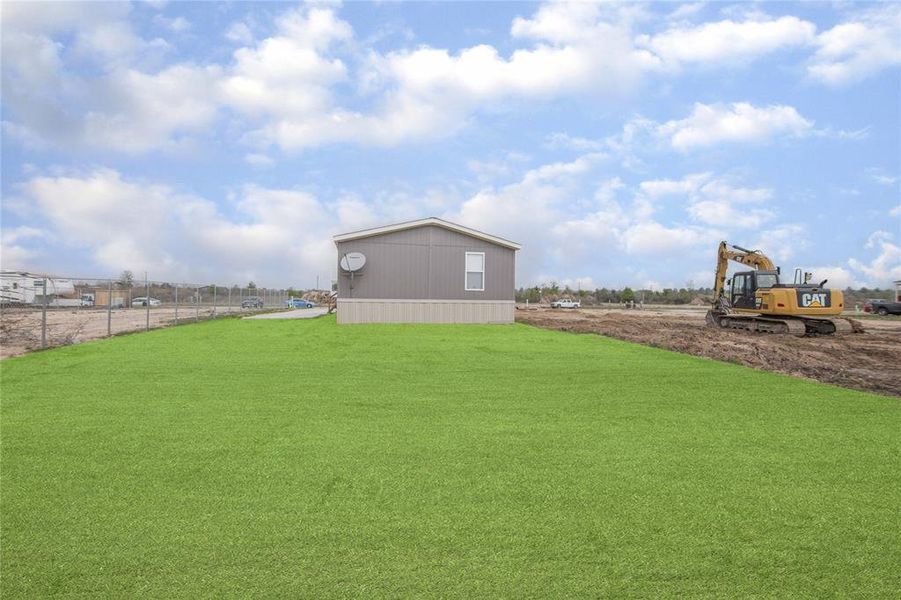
x=299, y=303
x=142, y=301
x=252, y=302
x=566, y=303
x=882, y=307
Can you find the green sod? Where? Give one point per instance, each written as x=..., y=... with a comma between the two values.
x=303, y=459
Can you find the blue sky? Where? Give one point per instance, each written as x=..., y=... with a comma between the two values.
x=618, y=143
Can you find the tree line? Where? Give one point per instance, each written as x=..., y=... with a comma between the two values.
x=687, y=295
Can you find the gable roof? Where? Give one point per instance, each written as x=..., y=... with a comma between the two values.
x=364, y=233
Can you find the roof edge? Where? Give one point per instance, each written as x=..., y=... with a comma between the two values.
x=373, y=231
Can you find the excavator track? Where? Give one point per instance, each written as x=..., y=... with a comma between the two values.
x=797, y=326
x=757, y=323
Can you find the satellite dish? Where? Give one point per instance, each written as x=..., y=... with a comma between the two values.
x=352, y=262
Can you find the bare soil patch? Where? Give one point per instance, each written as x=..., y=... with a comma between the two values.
x=865, y=361
x=20, y=328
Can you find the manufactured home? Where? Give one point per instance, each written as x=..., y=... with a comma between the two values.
x=425, y=271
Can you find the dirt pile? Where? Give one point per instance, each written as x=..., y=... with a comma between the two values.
x=867, y=361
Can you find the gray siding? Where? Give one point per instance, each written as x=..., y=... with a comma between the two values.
x=424, y=311
x=426, y=262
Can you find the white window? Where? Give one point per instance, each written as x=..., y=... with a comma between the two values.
x=475, y=271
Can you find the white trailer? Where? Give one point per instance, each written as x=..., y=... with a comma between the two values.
x=17, y=287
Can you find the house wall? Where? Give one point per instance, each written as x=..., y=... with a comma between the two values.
x=418, y=275
x=361, y=310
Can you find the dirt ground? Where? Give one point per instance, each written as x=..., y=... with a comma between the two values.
x=20, y=328
x=866, y=361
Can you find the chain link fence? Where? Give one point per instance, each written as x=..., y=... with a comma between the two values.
x=41, y=311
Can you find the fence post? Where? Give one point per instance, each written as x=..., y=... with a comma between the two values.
x=109, y=309
x=176, y=304
x=147, y=301
x=197, y=304
x=44, y=313
x=215, y=291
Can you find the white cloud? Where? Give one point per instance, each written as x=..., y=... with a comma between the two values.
x=151, y=111
x=657, y=188
x=585, y=282
x=427, y=92
x=273, y=236
x=15, y=251
x=685, y=11
x=711, y=200
x=886, y=266
x=651, y=237
x=881, y=178
x=739, y=122
x=838, y=278
x=258, y=160
x=564, y=140
x=728, y=42
x=785, y=241
x=492, y=169
x=176, y=25
x=895, y=212
x=561, y=22
x=782, y=242
x=561, y=229
x=239, y=33
x=120, y=107
x=287, y=75
x=607, y=190
x=859, y=48
x=312, y=83
x=723, y=212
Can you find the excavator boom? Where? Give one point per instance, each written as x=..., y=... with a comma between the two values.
x=752, y=258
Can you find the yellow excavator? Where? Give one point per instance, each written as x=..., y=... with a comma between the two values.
x=758, y=301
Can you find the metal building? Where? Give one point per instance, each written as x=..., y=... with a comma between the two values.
x=425, y=271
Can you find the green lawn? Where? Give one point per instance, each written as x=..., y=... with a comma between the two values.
x=302, y=459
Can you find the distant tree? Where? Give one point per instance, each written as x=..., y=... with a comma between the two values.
x=126, y=279
x=628, y=295
x=251, y=286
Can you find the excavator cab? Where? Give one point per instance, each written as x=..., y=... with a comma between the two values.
x=745, y=285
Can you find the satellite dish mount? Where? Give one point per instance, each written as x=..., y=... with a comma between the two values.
x=352, y=264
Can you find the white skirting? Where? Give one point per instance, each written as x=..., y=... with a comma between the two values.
x=360, y=310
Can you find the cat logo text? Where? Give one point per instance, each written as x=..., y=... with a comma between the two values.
x=813, y=300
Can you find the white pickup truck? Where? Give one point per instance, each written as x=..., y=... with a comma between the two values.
x=566, y=303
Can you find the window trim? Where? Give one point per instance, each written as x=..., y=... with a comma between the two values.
x=466, y=272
